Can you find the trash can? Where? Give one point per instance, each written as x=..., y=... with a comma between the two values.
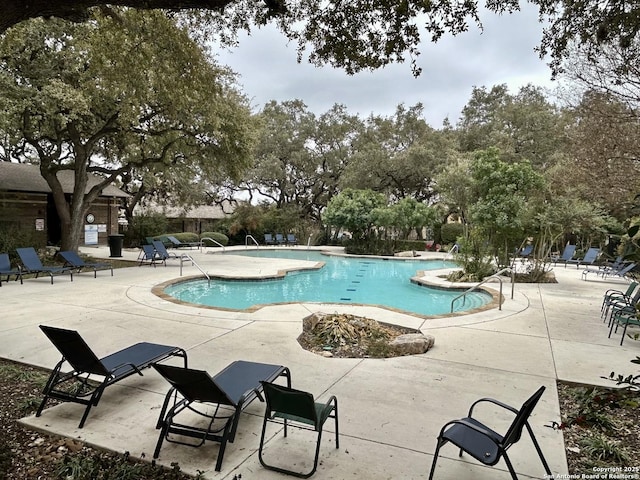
x=115, y=245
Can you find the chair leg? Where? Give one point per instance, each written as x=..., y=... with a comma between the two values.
x=435, y=458
x=335, y=412
x=538, y=449
x=509, y=466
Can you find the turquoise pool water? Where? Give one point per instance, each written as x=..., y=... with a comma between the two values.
x=347, y=280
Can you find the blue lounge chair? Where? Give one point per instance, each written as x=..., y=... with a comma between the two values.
x=72, y=259
x=87, y=366
x=567, y=255
x=5, y=268
x=606, y=272
x=178, y=244
x=589, y=258
x=280, y=239
x=268, y=239
x=526, y=251
x=291, y=239
x=31, y=264
x=162, y=252
x=149, y=254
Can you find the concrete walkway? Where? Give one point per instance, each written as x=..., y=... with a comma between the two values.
x=391, y=410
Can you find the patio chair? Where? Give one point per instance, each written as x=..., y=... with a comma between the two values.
x=179, y=244
x=31, y=264
x=72, y=259
x=625, y=317
x=286, y=406
x=620, y=304
x=483, y=443
x=291, y=239
x=196, y=392
x=150, y=255
x=5, y=268
x=613, y=294
x=567, y=254
x=280, y=239
x=268, y=239
x=80, y=384
x=162, y=252
x=589, y=258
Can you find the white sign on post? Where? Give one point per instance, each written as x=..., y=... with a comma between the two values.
x=90, y=234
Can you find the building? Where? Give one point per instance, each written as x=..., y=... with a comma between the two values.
x=26, y=203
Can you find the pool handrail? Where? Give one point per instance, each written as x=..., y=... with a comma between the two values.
x=246, y=241
x=212, y=241
x=490, y=277
x=189, y=258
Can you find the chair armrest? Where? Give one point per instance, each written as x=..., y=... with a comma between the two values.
x=495, y=402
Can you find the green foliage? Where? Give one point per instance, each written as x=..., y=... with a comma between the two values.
x=119, y=100
x=146, y=225
x=15, y=237
x=84, y=465
x=474, y=258
x=221, y=238
x=353, y=210
x=186, y=237
x=451, y=232
x=602, y=448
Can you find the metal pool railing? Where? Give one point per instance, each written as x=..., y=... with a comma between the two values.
x=184, y=257
x=495, y=276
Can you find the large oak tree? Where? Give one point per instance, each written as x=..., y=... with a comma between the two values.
x=114, y=98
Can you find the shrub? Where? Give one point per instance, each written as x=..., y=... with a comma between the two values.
x=449, y=232
x=186, y=237
x=221, y=238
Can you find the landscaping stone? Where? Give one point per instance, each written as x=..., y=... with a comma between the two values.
x=412, y=343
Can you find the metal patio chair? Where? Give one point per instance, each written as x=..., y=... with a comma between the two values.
x=486, y=445
x=288, y=406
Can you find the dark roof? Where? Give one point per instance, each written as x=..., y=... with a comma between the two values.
x=22, y=177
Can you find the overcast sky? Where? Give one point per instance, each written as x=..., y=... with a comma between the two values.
x=502, y=53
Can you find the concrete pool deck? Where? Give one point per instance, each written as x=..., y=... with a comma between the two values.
x=391, y=410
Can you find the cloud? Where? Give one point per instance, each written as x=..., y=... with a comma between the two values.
x=502, y=53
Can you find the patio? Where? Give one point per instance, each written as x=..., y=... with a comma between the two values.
x=390, y=410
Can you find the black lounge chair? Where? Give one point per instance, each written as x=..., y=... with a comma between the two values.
x=483, y=443
x=285, y=405
x=31, y=264
x=5, y=268
x=73, y=260
x=77, y=386
x=178, y=244
x=149, y=254
x=231, y=390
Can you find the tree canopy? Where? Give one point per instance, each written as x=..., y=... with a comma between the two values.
x=367, y=34
x=114, y=98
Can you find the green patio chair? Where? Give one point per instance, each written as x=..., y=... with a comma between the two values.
x=289, y=406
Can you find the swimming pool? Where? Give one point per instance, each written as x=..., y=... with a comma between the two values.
x=342, y=280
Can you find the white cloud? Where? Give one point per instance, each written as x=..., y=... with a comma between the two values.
x=502, y=53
